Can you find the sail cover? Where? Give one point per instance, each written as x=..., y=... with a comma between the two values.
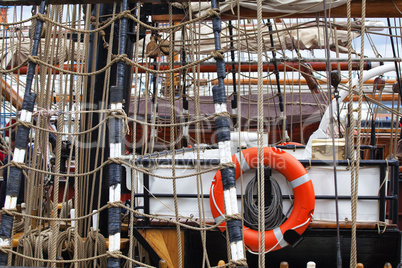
x=285, y=6
x=286, y=37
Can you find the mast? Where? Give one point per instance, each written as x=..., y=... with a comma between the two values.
x=115, y=135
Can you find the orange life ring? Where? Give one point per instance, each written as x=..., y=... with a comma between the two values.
x=294, y=172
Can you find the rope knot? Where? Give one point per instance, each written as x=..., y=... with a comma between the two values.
x=126, y=14
x=18, y=165
x=123, y=58
x=33, y=59
x=115, y=204
x=116, y=160
x=25, y=124
x=236, y=216
x=10, y=212
x=228, y=165
x=114, y=254
x=214, y=12
x=40, y=16
x=5, y=249
x=46, y=113
x=117, y=112
x=223, y=114
x=217, y=54
x=120, y=114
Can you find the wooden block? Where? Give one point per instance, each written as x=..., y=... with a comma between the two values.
x=162, y=264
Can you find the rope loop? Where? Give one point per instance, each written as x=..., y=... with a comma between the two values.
x=217, y=55
x=8, y=211
x=5, y=249
x=381, y=224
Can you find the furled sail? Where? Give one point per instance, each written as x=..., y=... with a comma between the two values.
x=283, y=6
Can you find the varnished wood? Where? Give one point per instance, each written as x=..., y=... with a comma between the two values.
x=60, y=265
x=164, y=242
x=11, y=95
x=374, y=9
x=163, y=264
x=343, y=225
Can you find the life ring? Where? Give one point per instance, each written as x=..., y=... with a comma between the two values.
x=294, y=172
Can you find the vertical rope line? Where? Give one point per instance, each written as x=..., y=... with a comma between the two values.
x=134, y=138
x=172, y=135
x=60, y=123
x=239, y=118
x=79, y=150
x=353, y=254
x=82, y=184
x=41, y=136
x=261, y=224
x=200, y=198
x=332, y=126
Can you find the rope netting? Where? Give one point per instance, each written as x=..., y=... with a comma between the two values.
x=166, y=124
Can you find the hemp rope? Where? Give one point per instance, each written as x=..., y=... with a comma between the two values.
x=172, y=137
x=200, y=196
x=261, y=212
x=95, y=245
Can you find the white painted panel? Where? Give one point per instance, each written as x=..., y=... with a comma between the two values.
x=322, y=178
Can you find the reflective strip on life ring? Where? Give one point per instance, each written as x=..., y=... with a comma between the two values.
x=294, y=172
